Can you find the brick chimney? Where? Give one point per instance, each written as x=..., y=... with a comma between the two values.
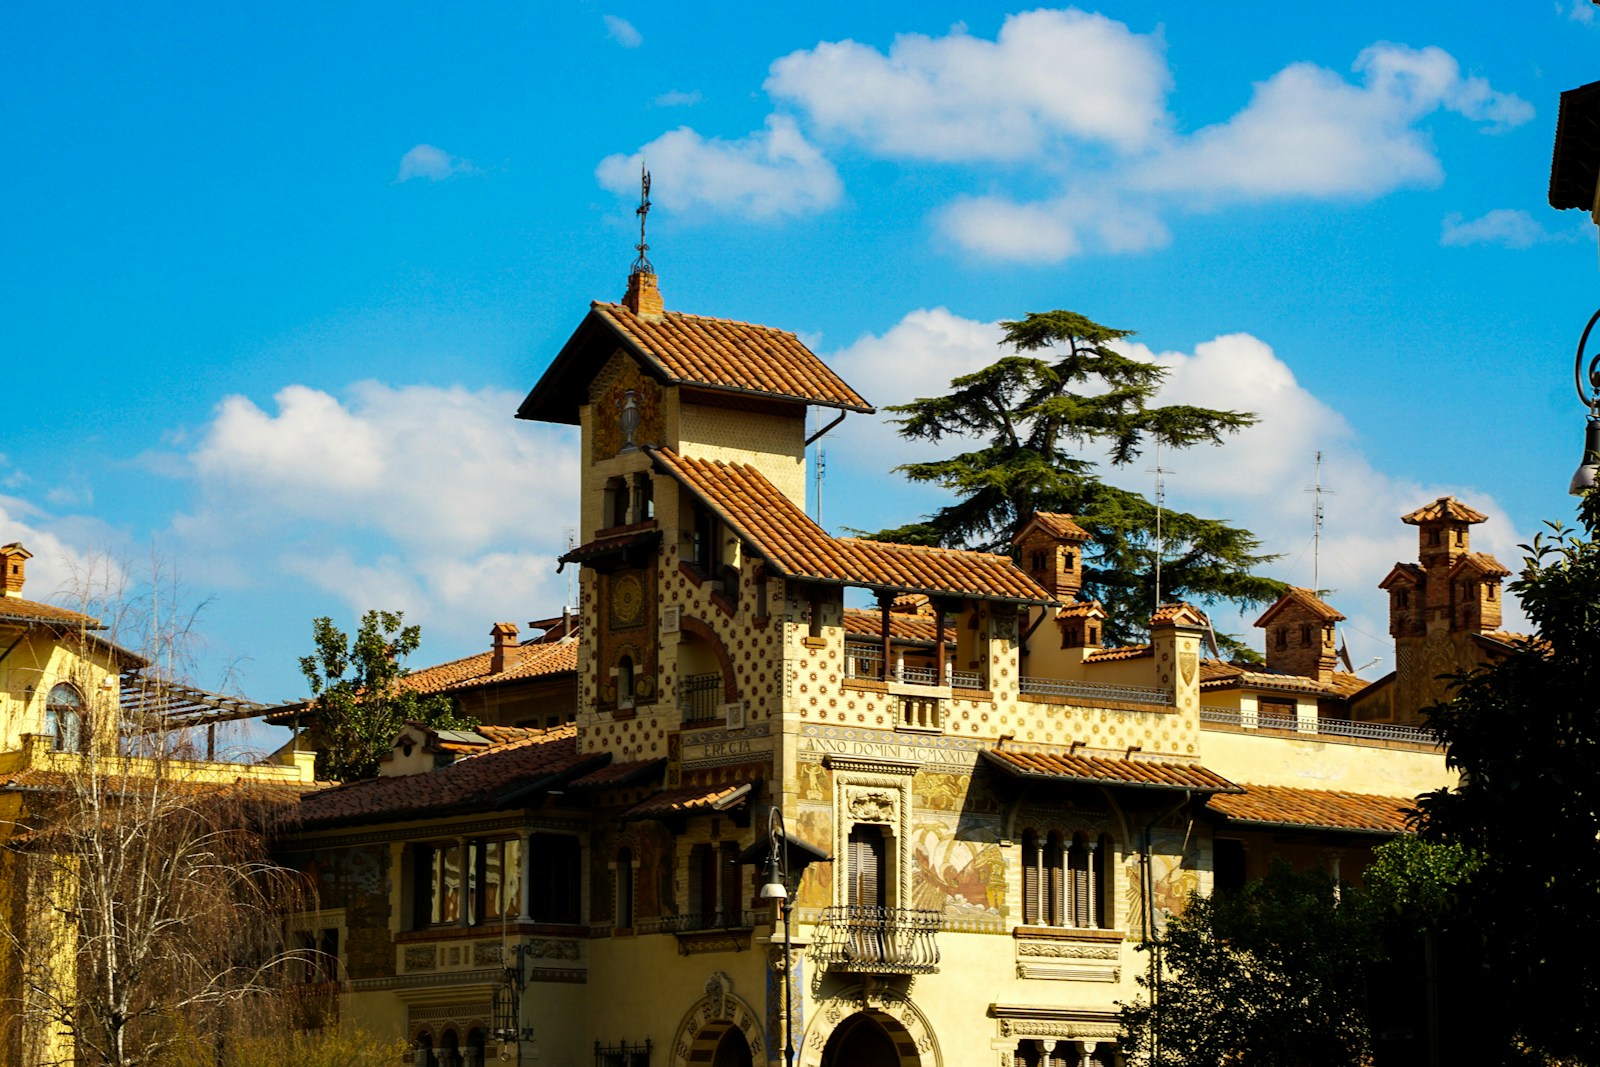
x=1050, y=548
x=14, y=559
x=1301, y=635
x=643, y=297
x=504, y=651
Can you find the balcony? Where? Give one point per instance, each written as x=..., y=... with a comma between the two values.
x=861, y=661
x=1343, y=728
x=872, y=940
x=709, y=931
x=1092, y=692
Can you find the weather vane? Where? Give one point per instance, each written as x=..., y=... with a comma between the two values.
x=642, y=264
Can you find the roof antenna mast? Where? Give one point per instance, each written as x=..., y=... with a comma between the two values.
x=1161, y=499
x=642, y=264
x=1317, y=491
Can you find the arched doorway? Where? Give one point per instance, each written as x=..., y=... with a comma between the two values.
x=732, y=1051
x=860, y=1041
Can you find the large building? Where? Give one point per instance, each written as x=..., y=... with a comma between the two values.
x=986, y=810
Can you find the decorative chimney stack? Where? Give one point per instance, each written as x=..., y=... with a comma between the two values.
x=14, y=559
x=1301, y=635
x=504, y=651
x=1050, y=548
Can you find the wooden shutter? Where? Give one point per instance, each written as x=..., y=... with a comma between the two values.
x=705, y=873
x=1030, y=877
x=732, y=884
x=1103, y=857
x=1056, y=912
x=867, y=887
x=1080, y=881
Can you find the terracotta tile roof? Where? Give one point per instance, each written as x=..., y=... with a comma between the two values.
x=864, y=622
x=1138, y=774
x=799, y=548
x=1346, y=684
x=1056, y=525
x=613, y=545
x=1082, y=609
x=487, y=780
x=1277, y=805
x=690, y=799
x=727, y=354
x=1178, y=612
x=534, y=659
x=912, y=604
x=1111, y=655
x=1483, y=563
x=1445, y=508
x=15, y=609
x=1303, y=598
x=618, y=774
x=1219, y=674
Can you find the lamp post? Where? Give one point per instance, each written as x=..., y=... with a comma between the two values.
x=776, y=889
x=1588, y=472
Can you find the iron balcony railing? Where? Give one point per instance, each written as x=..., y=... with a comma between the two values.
x=1372, y=731
x=698, y=696
x=872, y=940
x=1134, y=694
x=861, y=661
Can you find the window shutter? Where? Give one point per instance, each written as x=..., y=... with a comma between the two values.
x=704, y=867
x=866, y=867
x=1103, y=857
x=1080, y=882
x=1030, y=878
x=1055, y=913
x=732, y=884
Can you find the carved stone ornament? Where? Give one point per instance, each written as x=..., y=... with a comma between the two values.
x=873, y=807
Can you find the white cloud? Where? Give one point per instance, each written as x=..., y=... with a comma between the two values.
x=1502, y=226
x=773, y=173
x=1256, y=479
x=1048, y=75
x=1307, y=132
x=621, y=31
x=435, y=164
x=675, y=98
x=434, y=500
x=1049, y=231
x=1581, y=11
x=75, y=558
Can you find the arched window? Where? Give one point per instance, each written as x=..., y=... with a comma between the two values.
x=424, y=1050
x=1055, y=888
x=63, y=718
x=450, y=1050
x=624, y=889
x=1030, y=877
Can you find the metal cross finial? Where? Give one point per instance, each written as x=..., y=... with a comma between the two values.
x=642, y=264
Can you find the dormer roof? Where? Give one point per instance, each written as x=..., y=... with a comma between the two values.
x=1305, y=599
x=1408, y=574
x=1178, y=614
x=1445, y=509
x=1481, y=563
x=720, y=355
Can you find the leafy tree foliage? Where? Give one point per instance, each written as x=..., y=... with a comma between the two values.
x=1036, y=416
x=1525, y=735
x=359, y=697
x=1271, y=975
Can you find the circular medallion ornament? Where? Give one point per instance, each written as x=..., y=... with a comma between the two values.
x=627, y=600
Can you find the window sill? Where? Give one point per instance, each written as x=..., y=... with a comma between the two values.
x=1066, y=933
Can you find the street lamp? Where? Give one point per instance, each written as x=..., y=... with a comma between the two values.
x=1588, y=472
x=776, y=889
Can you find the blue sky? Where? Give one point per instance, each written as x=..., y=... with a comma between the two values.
x=277, y=275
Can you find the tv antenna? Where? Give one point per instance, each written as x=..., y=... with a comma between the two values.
x=1161, y=500
x=1317, y=491
x=642, y=265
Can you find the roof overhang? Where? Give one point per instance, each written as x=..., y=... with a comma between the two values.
x=1575, y=161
